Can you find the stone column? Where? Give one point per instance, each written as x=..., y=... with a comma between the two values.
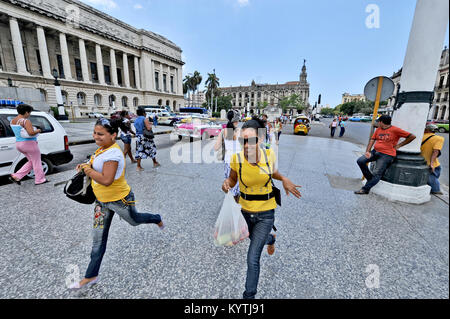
x=43, y=52
x=137, y=77
x=83, y=59
x=65, y=56
x=113, y=72
x=126, y=71
x=100, y=68
x=17, y=46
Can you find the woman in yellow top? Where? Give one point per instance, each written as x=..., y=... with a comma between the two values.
x=113, y=194
x=254, y=168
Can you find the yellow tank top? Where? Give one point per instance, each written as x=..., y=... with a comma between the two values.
x=119, y=188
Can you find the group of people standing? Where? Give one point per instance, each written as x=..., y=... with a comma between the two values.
x=337, y=123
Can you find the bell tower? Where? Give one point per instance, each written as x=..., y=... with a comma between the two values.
x=303, y=75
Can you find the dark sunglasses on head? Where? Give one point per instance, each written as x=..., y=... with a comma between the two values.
x=103, y=122
x=251, y=140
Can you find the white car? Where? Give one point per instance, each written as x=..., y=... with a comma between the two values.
x=95, y=115
x=53, y=143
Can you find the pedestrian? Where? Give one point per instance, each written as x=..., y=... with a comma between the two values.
x=27, y=144
x=125, y=135
x=342, y=124
x=278, y=129
x=269, y=129
x=431, y=149
x=155, y=120
x=385, y=138
x=113, y=195
x=254, y=167
x=145, y=147
x=228, y=140
x=333, y=126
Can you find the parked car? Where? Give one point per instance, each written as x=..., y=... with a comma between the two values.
x=199, y=129
x=442, y=125
x=53, y=143
x=355, y=119
x=95, y=115
x=169, y=118
x=366, y=118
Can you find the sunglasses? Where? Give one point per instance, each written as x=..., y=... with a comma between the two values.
x=103, y=122
x=250, y=141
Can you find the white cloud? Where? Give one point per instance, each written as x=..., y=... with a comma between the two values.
x=106, y=4
x=243, y=3
x=138, y=6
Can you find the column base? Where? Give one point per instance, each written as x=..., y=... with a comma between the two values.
x=402, y=193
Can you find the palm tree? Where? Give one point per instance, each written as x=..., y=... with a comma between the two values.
x=212, y=83
x=188, y=85
x=196, y=80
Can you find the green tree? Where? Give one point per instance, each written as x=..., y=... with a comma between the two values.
x=196, y=80
x=212, y=85
x=327, y=111
x=224, y=103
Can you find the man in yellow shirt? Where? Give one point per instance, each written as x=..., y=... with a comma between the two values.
x=430, y=150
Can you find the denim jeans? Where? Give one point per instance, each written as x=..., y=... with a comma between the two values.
x=433, y=179
x=382, y=163
x=341, y=133
x=333, y=129
x=103, y=215
x=259, y=227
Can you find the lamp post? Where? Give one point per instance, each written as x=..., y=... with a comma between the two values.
x=59, y=100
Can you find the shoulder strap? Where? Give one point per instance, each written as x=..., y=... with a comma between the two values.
x=240, y=170
x=428, y=139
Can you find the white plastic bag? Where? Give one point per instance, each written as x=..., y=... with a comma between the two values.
x=230, y=227
x=24, y=133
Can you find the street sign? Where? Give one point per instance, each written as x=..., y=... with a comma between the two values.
x=387, y=88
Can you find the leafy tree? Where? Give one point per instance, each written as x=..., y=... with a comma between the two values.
x=212, y=84
x=224, y=103
x=327, y=111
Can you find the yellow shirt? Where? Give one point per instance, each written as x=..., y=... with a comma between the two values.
x=119, y=188
x=434, y=143
x=255, y=179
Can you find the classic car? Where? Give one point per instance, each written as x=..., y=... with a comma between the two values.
x=199, y=129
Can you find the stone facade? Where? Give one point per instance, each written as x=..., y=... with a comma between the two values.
x=347, y=97
x=104, y=65
x=247, y=98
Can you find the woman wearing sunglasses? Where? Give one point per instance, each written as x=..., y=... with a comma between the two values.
x=254, y=168
x=113, y=194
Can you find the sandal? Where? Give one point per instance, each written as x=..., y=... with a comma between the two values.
x=12, y=179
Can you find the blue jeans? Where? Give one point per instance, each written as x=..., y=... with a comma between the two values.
x=103, y=215
x=341, y=133
x=382, y=163
x=333, y=129
x=433, y=179
x=259, y=227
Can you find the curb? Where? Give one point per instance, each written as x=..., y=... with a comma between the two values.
x=93, y=141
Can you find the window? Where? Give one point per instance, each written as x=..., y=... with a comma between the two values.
x=445, y=97
x=165, y=82
x=441, y=82
x=43, y=95
x=1, y=65
x=444, y=108
x=124, y=101
x=171, y=84
x=42, y=122
x=94, y=73
x=112, y=100
x=38, y=56
x=60, y=66
x=81, y=98
x=135, y=102
x=65, y=97
x=119, y=76
x=157, y=81
x=107, y=74
x=78, y=71
x=97, y=99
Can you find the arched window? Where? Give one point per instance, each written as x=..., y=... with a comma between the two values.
x=444, y=108
x=112, y=100
x=436, y=112
x=81, y=98
x=167, y=103
x=174, y=105
x=160, y=102
x=135, y=102
x=124, y=101
x=97, y=99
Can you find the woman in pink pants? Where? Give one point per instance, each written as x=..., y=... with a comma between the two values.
x=27, y=144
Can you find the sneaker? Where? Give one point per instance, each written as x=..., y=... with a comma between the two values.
x=361, y=192
x=271, y=248
x=161, y=225
x=437, y=193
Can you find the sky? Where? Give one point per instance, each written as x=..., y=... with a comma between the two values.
x=345, y=42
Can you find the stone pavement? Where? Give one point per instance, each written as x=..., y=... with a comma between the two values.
x=330, y=243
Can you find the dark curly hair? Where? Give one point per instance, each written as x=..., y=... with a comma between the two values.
x=112, y=126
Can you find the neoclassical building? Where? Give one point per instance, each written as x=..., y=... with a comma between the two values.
x=104, y=64
x=256, y=94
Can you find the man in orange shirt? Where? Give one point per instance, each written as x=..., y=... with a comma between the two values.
x=385, y=139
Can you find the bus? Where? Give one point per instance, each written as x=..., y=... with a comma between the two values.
x=194, y=110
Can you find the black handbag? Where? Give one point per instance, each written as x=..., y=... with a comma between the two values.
x=79, y=189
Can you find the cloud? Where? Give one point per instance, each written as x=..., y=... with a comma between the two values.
x=138, y=6
x=105, y=4
x=243, y=3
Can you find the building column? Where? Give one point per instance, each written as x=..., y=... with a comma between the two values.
x=137, y=76
x=126, y=71
x=100, y=68
x=65, y=56
x=112, y=55
x=43, y=52
x=17, y=46
x=83, y=59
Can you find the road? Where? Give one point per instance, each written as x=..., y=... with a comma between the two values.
x=358, y=133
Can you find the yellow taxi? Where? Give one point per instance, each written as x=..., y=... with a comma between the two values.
x=302, y=125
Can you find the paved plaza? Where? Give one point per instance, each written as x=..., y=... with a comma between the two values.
x=330, y=243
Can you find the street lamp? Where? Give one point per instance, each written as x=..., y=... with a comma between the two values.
x=59, y=100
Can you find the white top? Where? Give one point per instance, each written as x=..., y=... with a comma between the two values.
x=113, y=154
x=231, y=147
